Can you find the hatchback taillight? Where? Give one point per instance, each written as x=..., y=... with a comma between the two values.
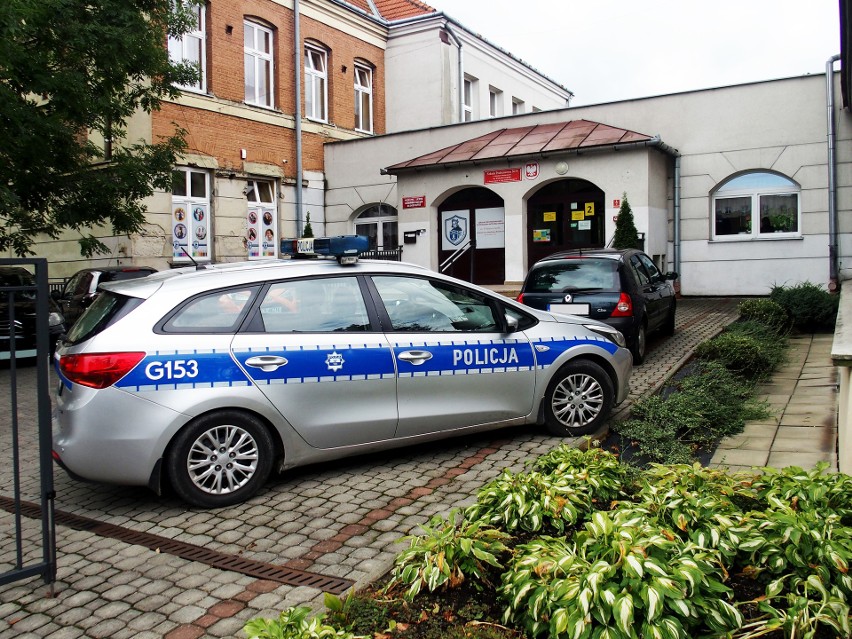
x=98, y=370
x=624, y=307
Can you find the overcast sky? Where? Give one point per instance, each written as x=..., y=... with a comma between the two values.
x=606, y=50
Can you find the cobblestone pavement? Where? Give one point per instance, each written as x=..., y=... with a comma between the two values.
x=340, y=520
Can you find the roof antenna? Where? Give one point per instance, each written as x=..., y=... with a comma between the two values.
x=198, y=267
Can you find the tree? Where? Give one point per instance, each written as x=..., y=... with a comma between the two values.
x=72, y=73
x=308, y=231
x=626, y=235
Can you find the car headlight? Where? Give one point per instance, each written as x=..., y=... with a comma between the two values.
x=55, y=319
x=609, y=332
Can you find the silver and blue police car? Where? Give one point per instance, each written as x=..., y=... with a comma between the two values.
x=211, y=378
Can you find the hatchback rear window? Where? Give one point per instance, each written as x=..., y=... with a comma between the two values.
x=575, y=275
x=106, y=310
x=130, y=274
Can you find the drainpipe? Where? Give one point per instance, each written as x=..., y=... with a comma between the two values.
x=297, y=44
x=833, y=282
x=461, y=69
x=676, y=249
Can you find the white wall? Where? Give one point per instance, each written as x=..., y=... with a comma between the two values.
x=776, y=125
x=422, y=76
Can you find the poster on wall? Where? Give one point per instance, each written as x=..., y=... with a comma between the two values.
x=200, y=231
x=190, y=231
x=541, y=235
x=180, y=232
x=261, y=233
x=455, y=229
x=490, y=228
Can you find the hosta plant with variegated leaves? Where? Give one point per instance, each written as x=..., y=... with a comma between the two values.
x=619, y=578
x=295, y=623
x=597, y=470
x=531, y=502
x=448, y=552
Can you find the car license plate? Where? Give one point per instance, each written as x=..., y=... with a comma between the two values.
x=569, y=309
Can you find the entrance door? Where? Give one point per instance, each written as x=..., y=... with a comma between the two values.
x=568, y=214
x=473, y=218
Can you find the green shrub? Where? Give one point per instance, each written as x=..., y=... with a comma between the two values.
x=619, y=578
x=294, y=623
x=809, y=307
x=531, y=502
x=766, y=312
x=706, y=405
x=449, y=552
x=746, y=348
x=597, y=469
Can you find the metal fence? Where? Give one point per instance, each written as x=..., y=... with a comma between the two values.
x=391, y=255
x=17, y=298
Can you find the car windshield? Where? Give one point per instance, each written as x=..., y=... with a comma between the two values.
x=575, y=275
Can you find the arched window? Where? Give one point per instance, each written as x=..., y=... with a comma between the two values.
x=378, y=222
x=757, y=204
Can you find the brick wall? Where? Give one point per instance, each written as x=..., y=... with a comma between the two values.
x=222, y=136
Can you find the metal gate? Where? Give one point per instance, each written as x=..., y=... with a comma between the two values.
x=24, y=324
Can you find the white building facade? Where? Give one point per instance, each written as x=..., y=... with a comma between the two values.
x=730, y=186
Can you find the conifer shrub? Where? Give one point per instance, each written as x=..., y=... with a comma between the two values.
x=809, y=307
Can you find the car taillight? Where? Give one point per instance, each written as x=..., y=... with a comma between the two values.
x=624, y=307
x=520, y=298
x=98, y=370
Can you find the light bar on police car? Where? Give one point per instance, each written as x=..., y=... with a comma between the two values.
x=345, y=248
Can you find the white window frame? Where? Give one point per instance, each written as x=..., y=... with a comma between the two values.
x=754, y=194
x=259, y=60
x=467, y=99
x=363, y=92
x=517, y=106
x=194, y=213
x=495, y=102
x=316, y=84
x=180, y=50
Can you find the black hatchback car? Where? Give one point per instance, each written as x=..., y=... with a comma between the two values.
x=621, y=287
x=18, y=319
x=82, y=288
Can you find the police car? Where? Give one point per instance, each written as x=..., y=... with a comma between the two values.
x=211, y=378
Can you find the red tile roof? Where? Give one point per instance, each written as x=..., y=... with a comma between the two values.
x=398, y=9
x=528, y=140
x=363, y=5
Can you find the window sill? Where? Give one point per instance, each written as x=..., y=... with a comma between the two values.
x=745, y=237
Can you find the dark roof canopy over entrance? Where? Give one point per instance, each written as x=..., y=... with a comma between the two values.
x=528, y=141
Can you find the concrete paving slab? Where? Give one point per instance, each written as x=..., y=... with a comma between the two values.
x=805, y=460
x=746, y=442
x=740, y=457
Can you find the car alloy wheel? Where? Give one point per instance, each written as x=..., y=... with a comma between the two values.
x=221, y=459
x=578, y=398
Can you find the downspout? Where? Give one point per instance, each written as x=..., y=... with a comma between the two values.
x=297, y=63
x=461, y=69
x=833, y=282
x=676, y=194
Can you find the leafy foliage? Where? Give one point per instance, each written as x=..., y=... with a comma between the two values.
x=620, y=573
x=449, y=552
x=809, y=307
x=294, y=623
x=626, y=235
x=74, y=73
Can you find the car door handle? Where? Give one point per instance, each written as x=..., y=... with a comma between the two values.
x=266, y=363
x=415, y=357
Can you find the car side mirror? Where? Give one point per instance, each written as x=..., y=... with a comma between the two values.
x=671, y=275
x=511, y=323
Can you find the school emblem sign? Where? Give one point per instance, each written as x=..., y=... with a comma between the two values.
x=455, y=229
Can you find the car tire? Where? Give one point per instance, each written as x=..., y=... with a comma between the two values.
x=639, y=346
x=669, y=324
x=578, y=399
x=220, y=459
